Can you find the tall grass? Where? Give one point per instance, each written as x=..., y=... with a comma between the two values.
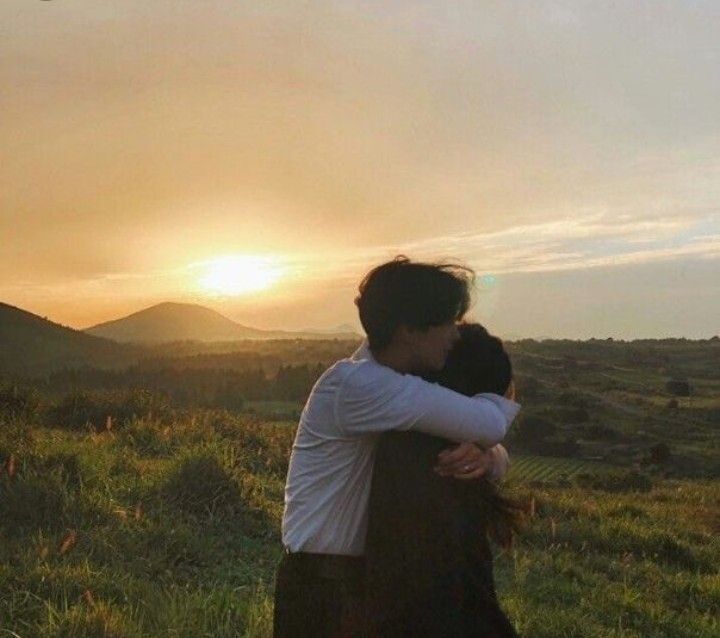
x=170, y=527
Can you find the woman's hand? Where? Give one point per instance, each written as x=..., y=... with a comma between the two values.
x=465, y=461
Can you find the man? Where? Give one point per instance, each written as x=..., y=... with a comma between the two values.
x=409, y=312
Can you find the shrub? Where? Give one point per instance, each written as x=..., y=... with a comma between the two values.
x=19, y=402
x=599, y=431
x=199, y=485
x=33, y=500
x=81, y=409
x=678, y=387
x=528, y=388
x=659, y=454
x=531, y=429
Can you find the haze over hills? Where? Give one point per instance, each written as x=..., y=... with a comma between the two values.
x=169, y=321
x=32, y=345
x=29, y=343
x=343, y=328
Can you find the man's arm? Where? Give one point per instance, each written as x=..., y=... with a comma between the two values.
x=467, y=461
x=376, y=399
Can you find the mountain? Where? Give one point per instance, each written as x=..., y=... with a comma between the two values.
x=30, y=344
x=343, y=328
x=166, y=322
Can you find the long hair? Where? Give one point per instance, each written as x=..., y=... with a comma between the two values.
x=478, y=363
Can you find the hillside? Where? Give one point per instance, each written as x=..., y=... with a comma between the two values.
x=169, y=526
x=29, y=344
x=164, y=518
x=167, y=322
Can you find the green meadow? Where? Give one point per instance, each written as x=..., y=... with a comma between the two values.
x=169, y=527
x=146, y=501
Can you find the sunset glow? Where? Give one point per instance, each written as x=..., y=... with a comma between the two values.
x=238, y=274
x=260, y=158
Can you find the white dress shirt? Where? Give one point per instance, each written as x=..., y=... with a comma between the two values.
x=352, y=403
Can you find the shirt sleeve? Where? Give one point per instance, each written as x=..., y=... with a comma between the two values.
x=376, y=399
x=501, y=463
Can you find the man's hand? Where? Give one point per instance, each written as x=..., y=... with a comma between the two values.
x=465, y=461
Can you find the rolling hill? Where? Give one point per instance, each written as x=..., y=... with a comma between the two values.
x=167, y=322
x=30, y=344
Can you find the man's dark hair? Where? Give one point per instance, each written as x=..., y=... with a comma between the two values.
x=477, y=363
x=415, y=294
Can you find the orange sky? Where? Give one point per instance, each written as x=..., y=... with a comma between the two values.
x=567, y=150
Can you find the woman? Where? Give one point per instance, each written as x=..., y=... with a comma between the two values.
x=428, y=557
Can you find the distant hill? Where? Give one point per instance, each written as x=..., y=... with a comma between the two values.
x=32, y=345
x=344, y=329
x=167, y=322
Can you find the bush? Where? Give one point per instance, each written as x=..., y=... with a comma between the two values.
x=34, y=500
x=659, y=454
x=528, y=388
x=19, y=402
x=599, y=431
x=531, y=429
x=81, y=409
x=199, y=485
x=678, y=387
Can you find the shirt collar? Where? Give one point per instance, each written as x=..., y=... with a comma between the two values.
x=363, y=352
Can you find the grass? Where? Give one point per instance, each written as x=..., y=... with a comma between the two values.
x=288, y=410
x=542, y=468
x=159, y=528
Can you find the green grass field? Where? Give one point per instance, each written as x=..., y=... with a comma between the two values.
x=275, y=409
x=157, y=529
x=543, y=468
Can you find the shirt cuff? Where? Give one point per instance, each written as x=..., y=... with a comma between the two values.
x=501, y=463
x=508, y=407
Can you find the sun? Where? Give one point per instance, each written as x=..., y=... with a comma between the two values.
x=238, y=274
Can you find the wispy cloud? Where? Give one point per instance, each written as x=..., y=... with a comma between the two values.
x=574, y=243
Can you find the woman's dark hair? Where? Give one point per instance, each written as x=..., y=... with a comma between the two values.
x=419, y=295
x=478, y=363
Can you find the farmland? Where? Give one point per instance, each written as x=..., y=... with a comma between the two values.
x=544, y=468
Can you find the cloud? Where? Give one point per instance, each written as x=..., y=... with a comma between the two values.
x=518, y=137
x=574, y=243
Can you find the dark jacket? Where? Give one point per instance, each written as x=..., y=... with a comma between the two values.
x=429, y=563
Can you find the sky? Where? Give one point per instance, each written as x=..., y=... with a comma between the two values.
x=568, y=151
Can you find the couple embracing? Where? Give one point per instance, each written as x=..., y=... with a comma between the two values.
x=391, y=492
